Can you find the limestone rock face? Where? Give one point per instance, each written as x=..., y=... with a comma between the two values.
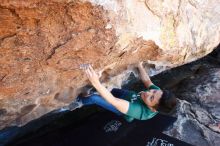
x=42, y=44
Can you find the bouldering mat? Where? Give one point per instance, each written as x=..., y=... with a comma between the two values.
x=108, y=129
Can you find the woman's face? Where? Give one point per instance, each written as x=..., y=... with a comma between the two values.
x=151, y=97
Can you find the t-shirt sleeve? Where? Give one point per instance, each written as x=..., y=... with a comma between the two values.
x=136, y=111
x=153, y=87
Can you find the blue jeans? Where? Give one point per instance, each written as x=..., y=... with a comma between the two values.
x=98, y=100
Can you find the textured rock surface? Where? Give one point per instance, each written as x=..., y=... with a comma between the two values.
x=42, y=44
x=196, y=84
x=198, y=111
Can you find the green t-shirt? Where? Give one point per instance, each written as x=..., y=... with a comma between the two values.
x=137, y=108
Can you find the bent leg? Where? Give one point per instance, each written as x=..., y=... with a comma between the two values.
x=120, y=93
x=97, y=99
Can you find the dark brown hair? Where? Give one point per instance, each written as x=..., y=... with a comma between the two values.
x=167, y=102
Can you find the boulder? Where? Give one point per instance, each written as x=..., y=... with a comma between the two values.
x=42, y=44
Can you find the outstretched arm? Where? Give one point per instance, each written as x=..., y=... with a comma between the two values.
x=119, y=104
x=144, y=76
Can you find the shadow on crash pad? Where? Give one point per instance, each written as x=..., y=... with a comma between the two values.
x=108, y=129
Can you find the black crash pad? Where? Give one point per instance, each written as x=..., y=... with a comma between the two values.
x=108, y=129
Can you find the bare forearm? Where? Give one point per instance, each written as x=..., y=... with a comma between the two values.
x=104, y=92
x=120, y=104
x=143, y=74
